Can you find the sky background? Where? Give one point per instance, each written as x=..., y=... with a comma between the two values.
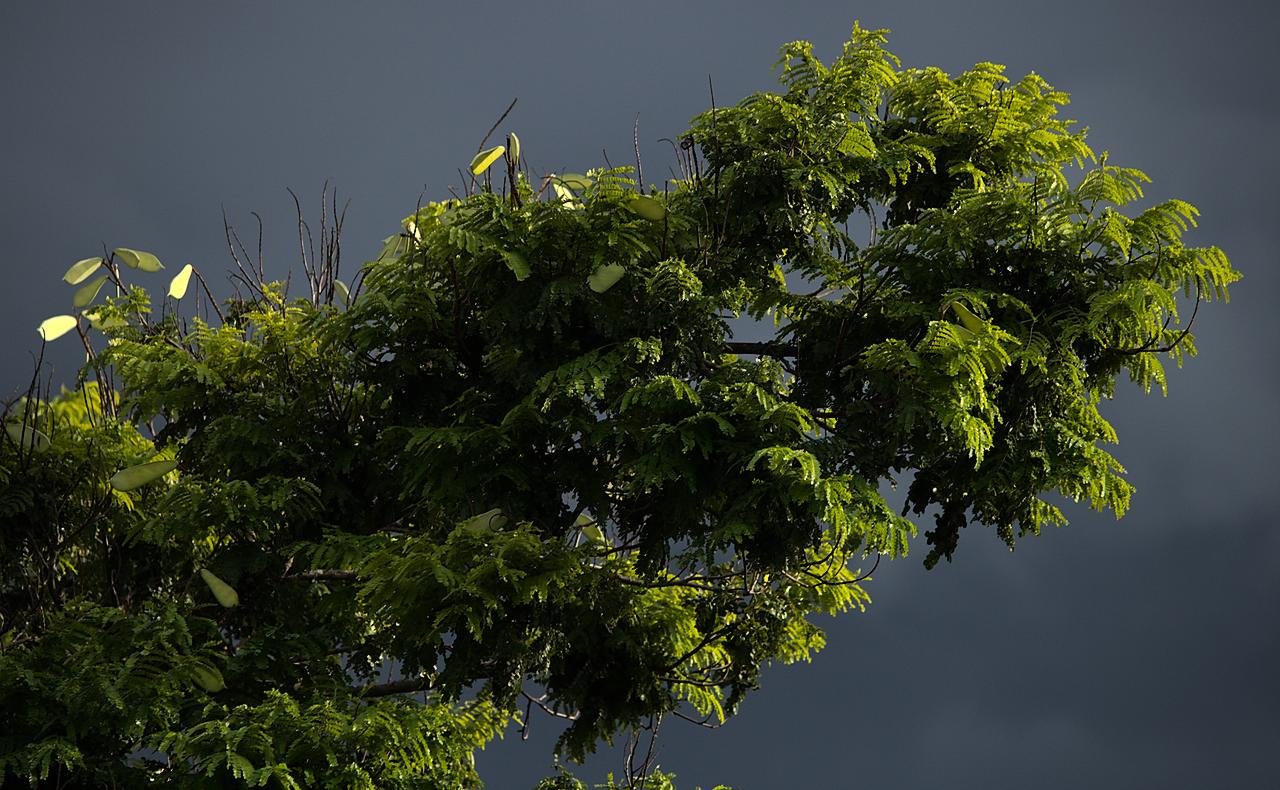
x=1136, y=654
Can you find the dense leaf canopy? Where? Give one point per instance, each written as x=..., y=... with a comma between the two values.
x=522, y=464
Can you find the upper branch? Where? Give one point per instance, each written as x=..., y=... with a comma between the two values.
x=767, y=349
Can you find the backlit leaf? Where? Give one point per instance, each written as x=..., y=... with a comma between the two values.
x=482, y=160
x=564, y=195
x=101, y=324
x=393, y=247
x=55, y=327
x=604, y=278
x=86, y=293
x=178, y=285
x=487, y=521
x=224, y=592
x=27, y=437
x=517, y=264
x=80, y=270
x=648, y=208
x=970, y=321
x=208, y=679
x=132, y=477
x=575, y=181
x=137, y=259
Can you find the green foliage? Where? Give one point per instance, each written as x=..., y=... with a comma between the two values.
x=520, y=463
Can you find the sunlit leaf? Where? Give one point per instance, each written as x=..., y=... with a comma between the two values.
x=482, y=160
x=208, y=679
x=648, y=208
x=132, y=477
x=98, y=322
x=564, y=195
x=86, y=293
x=55, y=327
x=224, y=592
x=514, y=143
x=393, y=247
x=604, y=278
x=178, y=285
x=488, y=521
x=575, y=181
x=27, y=437
x=80, y=270
x=970, y=321
x=341, y=291
x=517, y=264
x=136, y=259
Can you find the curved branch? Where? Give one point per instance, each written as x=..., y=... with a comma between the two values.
x=704, y=722
x=1146, y=347
x=706, y=640
x=546, y=708
x=846, y=582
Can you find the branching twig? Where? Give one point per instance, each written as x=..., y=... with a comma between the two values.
x=1146, y=347
x=547, y=708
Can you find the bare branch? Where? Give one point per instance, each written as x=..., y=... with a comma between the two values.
x=769, y=349
x=406, y=686
x=548, y=709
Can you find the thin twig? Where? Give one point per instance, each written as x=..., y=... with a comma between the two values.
x=635, y=142
x=1146, y=347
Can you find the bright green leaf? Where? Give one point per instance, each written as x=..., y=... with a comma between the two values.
x=393, y=247
x=970, y=321
x=482, y=160
x=132, y=477
x=178, y=285
x=208, y=679
x=27, y=437
x=224, y=592
x=515, y=147
x=102, y=324
x=55, y=327
x=517, y=264
x=564, y=195
x=86, y=293
x=136, y=259
x=488, y=521
x=341, y=291
x=575, y=181
x=604, y=278
x=80, y=270
x=648, y=207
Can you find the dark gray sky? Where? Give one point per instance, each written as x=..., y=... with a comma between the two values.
x=1134, y=654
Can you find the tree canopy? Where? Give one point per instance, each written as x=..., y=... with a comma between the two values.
x=521, y=464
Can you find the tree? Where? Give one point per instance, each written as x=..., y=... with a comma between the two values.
x=344, y=540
